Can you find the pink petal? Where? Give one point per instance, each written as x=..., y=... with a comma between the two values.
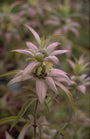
x=34, y=33
x=52, y=46
x=87, y=83
x=19, y=73
x=87, y=79
x=65, y=29
x=26, y=52
x=51, y=84
x=8, y=136
x=82, y=88
x=75, y=24
x=56, y=52
x=51, y=22
x=19, y=79
x=58, y=73
x=83, y=76
x=71, y=63
x=15, y=4
x=30, y=67
x=62, y=79
x=86, y=65
x=31, y=46
x=41, y=89
x=75, y=31
x=55, y=72
x=52, y=59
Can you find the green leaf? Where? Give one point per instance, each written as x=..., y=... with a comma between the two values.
x=46, y=105
x=69, y=95
x=56, y=135
x=53, y=97
x=9, y=119
x=10, y=73
x=22, y=111
x=64, y=133
x=40, y=131
x=24, y=130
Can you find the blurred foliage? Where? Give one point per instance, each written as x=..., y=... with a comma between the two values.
x=47, y=17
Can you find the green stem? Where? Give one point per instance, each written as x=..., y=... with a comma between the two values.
x=35, y=118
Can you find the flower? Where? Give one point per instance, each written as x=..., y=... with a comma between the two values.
x=80, y=80
x=9, y=20
x=44, y=75
x=80, y=65
x=41, y=68
x=63, y=19
x=40, y=52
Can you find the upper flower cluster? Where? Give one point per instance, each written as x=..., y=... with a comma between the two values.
x=40, y=69
x=41, y=52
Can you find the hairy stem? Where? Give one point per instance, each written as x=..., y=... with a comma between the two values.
x=35, y=118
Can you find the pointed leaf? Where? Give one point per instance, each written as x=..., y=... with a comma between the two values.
x=51, y=84
x=19, y=79
x=9, y=120
x=52, y=59
x=71, y=63
x=75, y=31
x=41, y=89
x=64, y=133
x=26, y=52
x=57, y=52
x=58, y=73
x=67, y=93
x=52, y=46
x=31, y=46
x=30, y=67
x=82, y=88
x=22, y=111
x=9, y=73
x=24, y=130
x=40, y=131
x=34, y=33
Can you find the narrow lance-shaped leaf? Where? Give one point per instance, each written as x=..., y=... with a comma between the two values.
x=52, y=59
x=9, y=120
x=34, y=33
x=26, y=52
x=9, y=73
x=67, y=93
x=31, y=46
x=57, y=52
x=58, y=73
x=71, y=63
x=51, y=84
x=24, y=130
x=81, y=88
x=52, y=46
x=22, y=111
x=19, y=79
x=30, y=67
x=64, y=133
x=40, y=131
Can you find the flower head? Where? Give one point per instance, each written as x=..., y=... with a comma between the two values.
x=39, y=52
x=80, y=80
x=41, y=68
